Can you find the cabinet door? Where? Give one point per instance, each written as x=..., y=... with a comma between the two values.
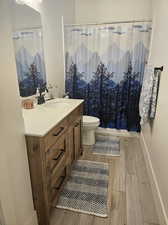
x=77, y=140
x=70, y=150
x=71, y=155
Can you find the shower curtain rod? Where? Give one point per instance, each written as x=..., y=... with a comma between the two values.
x=115, y=22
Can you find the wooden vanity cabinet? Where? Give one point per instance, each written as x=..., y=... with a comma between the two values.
x=50, y=159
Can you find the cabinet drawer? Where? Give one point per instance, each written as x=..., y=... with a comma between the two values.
x=54, y=152
x=57, y=170
x=55, y=158
x=55, y=134
x=55, y=190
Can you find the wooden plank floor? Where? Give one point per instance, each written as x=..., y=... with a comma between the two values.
x=130, y=199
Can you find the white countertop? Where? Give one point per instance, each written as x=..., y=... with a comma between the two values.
x=40, y=120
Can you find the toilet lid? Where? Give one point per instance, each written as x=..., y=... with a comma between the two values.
x=90, y=120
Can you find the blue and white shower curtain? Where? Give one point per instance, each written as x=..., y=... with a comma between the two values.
x=29, y=61
x=105, y=67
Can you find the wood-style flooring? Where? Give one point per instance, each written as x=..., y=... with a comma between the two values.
x=130, y=197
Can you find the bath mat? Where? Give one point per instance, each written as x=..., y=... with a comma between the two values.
x=107, y=145
x=86, y=190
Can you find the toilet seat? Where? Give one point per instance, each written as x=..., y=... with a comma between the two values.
x=90, y=121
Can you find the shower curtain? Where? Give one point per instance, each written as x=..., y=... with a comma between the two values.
x=29, y=61
x=105, y=67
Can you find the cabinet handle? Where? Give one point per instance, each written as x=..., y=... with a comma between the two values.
x=58, y=132
x=61, y=153
x=62, y=181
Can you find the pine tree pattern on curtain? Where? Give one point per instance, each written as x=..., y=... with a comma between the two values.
x=105, y=67
x=29, y=61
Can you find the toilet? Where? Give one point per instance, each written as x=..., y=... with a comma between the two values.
x=90, y=124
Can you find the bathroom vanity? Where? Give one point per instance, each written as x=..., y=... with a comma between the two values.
x=53, y=137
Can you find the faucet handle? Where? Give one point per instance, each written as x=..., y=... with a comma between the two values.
x=66, y=95
x=46, y=89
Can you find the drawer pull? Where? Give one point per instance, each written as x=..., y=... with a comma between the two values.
x=62, y=181
x=61, y=153
x=60, y=130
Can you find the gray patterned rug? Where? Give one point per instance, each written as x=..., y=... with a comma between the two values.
x=107, y=145
x=87, y=189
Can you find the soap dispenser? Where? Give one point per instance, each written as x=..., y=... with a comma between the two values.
x=66, y=95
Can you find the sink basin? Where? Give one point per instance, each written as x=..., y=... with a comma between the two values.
x=57, y=105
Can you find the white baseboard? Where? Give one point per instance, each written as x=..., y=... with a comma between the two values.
x=32, y=220
x=115, y=132
x=163, y=219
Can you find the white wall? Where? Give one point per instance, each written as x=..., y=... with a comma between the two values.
x=35, y=4
x=15, y=188
x=24, y=16
x=98, y=11
x=52, y=12
x=156, y=136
